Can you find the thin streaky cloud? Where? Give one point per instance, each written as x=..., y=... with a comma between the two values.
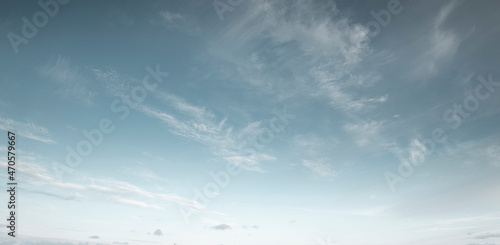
x=29, y=130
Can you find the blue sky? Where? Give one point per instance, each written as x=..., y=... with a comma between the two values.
x=252, y=122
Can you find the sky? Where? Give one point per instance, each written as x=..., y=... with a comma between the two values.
x=311, y=122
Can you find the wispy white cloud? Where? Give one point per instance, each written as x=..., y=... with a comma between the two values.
x=144, y=173
x=183, y=23
x=316, y=27
x=366, y=132
x=322, y=48
x=314, y=153
x=332, y=85
x=203, y=131
x=28, y=130
x=415, y=152
x=148, y=154
x=469, y=220
x=199, y=113
x=37, y=175
x=200, y=126
x=72, y=85
x=142, y=169
x=442, y=43
x=444, y=12
x=115, y=84
x=193, y=122
x=476, y=152
x=320, y=169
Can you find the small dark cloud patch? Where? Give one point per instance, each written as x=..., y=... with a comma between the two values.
x=221, y=227
x=158, y=232
x=482, y=244
x=94, y=237
x=487, y=235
